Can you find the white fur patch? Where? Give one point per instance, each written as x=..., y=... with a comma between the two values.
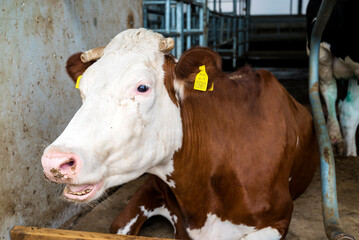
x=215, y=228
x=161, y=211
x=267, y=233
x=126, y=229
x=163, y=171
x=297, y=141
x=179, y=88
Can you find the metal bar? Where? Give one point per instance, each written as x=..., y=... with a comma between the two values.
x=145, y=18
x=179, y=23
x=162, y=22
x=240, y=35
x=327, y=164
x=173, y=18
x=168, y=15
x=153, y=2
x=189, y=18
x=248, y=9
x=300, y=4
x=159, y=2
x=214, y=29
x=235, y=34
x=201, y=25
x=205, y=20
x=186, y=32
x=228, y=27
x=223, y=14
x=221, y=25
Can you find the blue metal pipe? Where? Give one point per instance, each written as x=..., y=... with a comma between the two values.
x=327, y=164
x=189, y=25
x=179, y=28
x=167, y=15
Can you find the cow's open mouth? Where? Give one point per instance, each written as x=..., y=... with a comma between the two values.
x=84, y=192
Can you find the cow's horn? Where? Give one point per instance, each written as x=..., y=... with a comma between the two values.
x=92, y=54
x=167, y=45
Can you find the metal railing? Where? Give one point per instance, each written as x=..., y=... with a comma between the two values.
x=191, y=23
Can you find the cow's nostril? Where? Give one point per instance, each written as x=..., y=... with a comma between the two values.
x=68, y=165
x=71, y=163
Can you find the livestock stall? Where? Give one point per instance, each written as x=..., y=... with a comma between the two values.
x=37, y=102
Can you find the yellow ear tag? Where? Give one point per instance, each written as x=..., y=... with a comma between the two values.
x=78, y=82
x=201, y=80
x=211, y=88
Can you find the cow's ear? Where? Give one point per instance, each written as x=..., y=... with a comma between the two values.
x=188, y=65
x=75, y=67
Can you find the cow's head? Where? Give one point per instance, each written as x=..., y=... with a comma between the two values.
x=129, y=123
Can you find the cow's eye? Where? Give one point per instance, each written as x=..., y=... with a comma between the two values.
x=143, y=88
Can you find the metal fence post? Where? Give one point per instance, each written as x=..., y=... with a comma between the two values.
x=189, y=25
x=167, y=15
x=248, y=9
x=179, y=24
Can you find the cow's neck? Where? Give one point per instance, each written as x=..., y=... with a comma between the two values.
x=192, y=164
x=203, y=167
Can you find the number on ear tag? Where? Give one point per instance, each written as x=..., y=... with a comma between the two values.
x=201, y=80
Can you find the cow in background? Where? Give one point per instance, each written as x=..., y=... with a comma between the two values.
x=226, y=153
x=339, y=59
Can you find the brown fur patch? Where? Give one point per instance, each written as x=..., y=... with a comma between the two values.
x=75, y=67
x=169, y=67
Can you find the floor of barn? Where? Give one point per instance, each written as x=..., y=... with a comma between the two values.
x=306, y=221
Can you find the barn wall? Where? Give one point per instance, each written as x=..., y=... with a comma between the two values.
x=37, y=99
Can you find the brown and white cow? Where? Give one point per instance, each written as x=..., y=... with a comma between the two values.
x=223, y=164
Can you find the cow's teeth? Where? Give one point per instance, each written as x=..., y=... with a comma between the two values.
x=67, y=190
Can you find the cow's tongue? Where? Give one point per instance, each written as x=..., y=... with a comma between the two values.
x=79, y=190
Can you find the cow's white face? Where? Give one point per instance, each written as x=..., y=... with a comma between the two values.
x=127, y=125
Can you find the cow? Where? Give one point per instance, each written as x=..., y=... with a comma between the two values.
x=224, y=161
x=339, y=59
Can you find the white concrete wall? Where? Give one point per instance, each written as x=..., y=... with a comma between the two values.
x=37, y=98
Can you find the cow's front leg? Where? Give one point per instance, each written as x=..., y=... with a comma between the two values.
x=349, y=116
x=153, y=198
